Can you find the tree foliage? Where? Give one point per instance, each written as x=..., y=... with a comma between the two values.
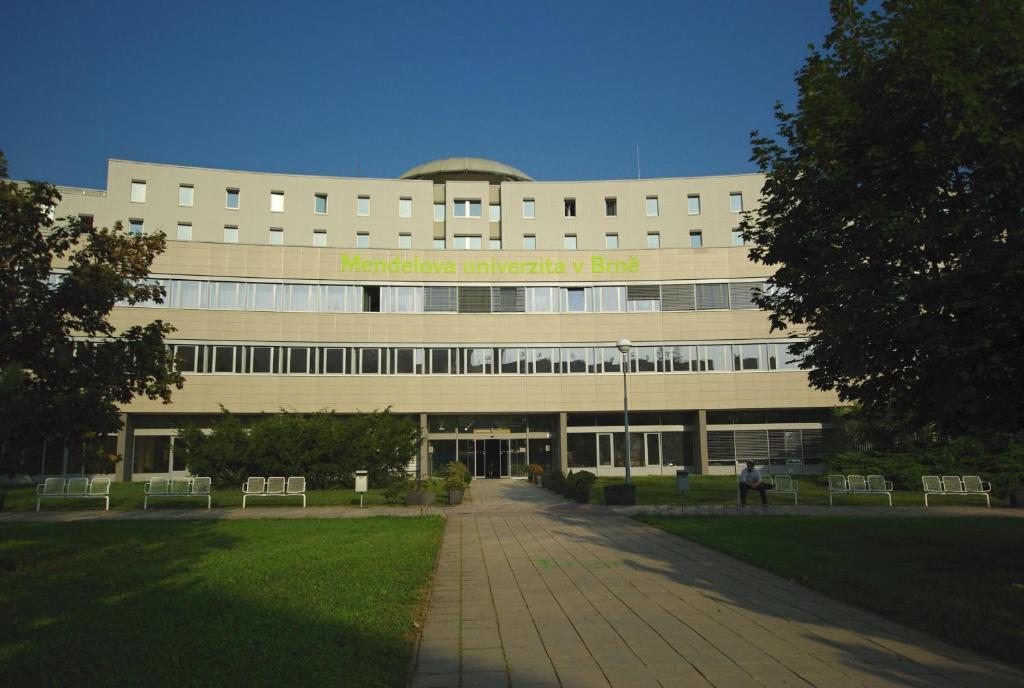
x=893, y=208
x=66, y=367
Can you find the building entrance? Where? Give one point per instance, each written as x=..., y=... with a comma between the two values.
x=495, y=458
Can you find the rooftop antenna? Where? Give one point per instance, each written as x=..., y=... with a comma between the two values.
x=638, y=161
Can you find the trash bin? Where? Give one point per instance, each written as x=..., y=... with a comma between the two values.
x=682, y=481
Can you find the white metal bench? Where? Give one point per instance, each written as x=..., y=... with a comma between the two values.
x=74, y=488
x=785, y=485
x=859, y=485
x=177, y=487
x=955, y=485
x=294, y=486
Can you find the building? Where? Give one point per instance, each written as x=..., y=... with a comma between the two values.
x=468, y=295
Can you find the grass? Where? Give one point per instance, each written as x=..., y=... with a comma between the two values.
x=129, y=495
x=721, y=489
x=236, y=603
x=961, y=579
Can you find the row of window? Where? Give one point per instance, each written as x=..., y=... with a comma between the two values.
x=343, y=298
x=376, y=360
x=461, y=207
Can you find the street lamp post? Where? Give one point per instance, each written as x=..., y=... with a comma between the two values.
x=624, y=345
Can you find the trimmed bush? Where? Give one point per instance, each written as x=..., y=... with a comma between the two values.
x=554, y=480
x=578, y=486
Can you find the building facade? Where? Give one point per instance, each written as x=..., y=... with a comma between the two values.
x=478, y=301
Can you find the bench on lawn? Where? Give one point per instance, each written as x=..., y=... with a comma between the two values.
x=295, y=486
x=955, y=485
x=74, y=488
x=177, y=487
x=779, y=484
x=859, y=485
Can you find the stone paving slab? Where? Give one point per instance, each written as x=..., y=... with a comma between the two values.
x=535, y=594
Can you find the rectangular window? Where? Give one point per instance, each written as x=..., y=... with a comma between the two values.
x=184, y=231
x=188, y=358
x=610, y=359
x=611, y=240
x=438, y=244
x=261, y=359
x=228, y=296
x=646, y=359
x=779, y=358
x=541, y=299
x=652, y=206
x=576, y=360
x=230, y=234
x=610, y=299
x=405, y=241
x=478, y=361
x=403, y=299
x=737, y=237
x=569, y=242
x=735, y=202
x=362, y=240
x=693, y=204
x=495, y=244
x=320, y=204
x=440, y=362
x=684, y=358
x=135, y=227
x=87, y=220
x=696, y=239
x=653, y=240
x=748, y=357
x=529, y=242
x=439, y=212
x=298, y=360
x=320, y=237
x=300, y=298
x=570, y=207
x=404, y=207
x=466, y=208
x=576, y=300
x=186, y=195
x=333, y=360
x=276, y=236
x=715, y=357
x=232, y=199
x=545, y=360
x=512, y=362
x=407, y=362
x=529, y=208
x=369, y=361
x=494, y=212
x=223, y=359
x=363, y=205
x=277, y=201
x=265, y=296
x=466, y=242
x=189, y=294
x=611, y=207
x=138, y=191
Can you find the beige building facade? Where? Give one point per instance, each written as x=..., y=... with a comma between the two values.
x=478, y=301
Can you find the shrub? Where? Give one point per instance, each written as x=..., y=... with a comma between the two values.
x=554, y=480
x=455, y=476
x=578, y=486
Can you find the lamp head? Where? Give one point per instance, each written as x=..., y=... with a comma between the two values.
x=624, y=345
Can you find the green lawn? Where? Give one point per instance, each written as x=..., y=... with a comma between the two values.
x=130, y=496
x=721, y=489
x=961, y=579
x=237, y=603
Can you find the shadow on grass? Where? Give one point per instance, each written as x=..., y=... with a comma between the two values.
x=272, y=603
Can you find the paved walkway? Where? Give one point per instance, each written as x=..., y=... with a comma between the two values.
x=533, y=592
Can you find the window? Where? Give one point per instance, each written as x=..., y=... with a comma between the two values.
x=363, y=205
x=407, y=361
x=570, y=242
x=466, y=242
x=541, y=299
x=576, y=360
x=184, y=231
x=276, y=236
x=320, y=204
x=266, y=297
x=138, y=191
x=87, y=220
x=545, y=360
x=653, y=240
x=737, y=237
x=277, y=201
x=611, y=207
x=226, y=296
x=230, y=234
x=529, y=208
x=403, y=300
x=186, y=195
x=333, y=361
x=135, y=227
x=576, y=300
x=478, y=361
x=404, y=207
x=735, y=202
x=570, y=207
x=748, y=357
x=696, y=239
x=466, y=208
x=405, y=241
x=495, y=244
x=715, y=357
x=652, y=206
x=298, y=359
x=261, y=359
x=609, y=299
x=529, y=242
x=439, y=212
x=320, y=237
x=611, y=240
x=188, y=358
x=362, y=240
x=779, y=358
x=440, y=361
x=369, y=361
x=494, y=212
x=231, y=199
x=693, y=204
x=438, y=243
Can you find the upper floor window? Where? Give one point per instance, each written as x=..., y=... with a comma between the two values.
x=319, y=237
x=495, y=212
x=495, y=244
x=529, y=242
x=320, y=204
x=138, y=191
x=276, y=236
x=404, y=207
x=362, y=240
x=570, y=207
x=405, y=241
x=693, y=204
x=363, y=205
x=736, y=202
x=611, y=240
x=466, y=242
x=186, y=195
x=611, y=207
x=570, y=242
x=737, y=237
x=439, y=212
x=277, y=201
x=184, y=231
x=653, y=240
x=696, y=239
x=230, y=234
x=652, y=206
x=466, y=208
x=135, y=227
x=529, y=208
x=438, y=243
x=231, y=199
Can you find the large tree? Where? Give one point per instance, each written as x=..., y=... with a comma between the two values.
x=894, y=208
x=65, y=366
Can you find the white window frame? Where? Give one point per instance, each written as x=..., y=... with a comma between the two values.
x=404, y=240
x=651, y=202
x=191, y=195
x=362, y=240
x=693, y=204
x=733, y=206
x=276, y=233
x=320, y=238
x=529, y=242
x=656, y=236
x=699, y=236
x=136, y=221
x=405, y=207
x=316, y=198
x=467, y=205
x=232, y=191
x=570, y=239
x=439, y=211
x=138, y=191
x=611, y=238
x=363, y=206
x=187, y=226
x=277, y=201
x=494, y=212
x=529, y=208
x=232, y=232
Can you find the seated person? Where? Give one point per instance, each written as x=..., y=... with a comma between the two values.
x=750, y=479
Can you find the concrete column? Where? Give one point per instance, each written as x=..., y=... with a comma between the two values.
x=563, y=441
x=424, y=467
x=123, y=470
x=700, y=443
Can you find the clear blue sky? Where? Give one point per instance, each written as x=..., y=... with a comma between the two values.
x=562, y=90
